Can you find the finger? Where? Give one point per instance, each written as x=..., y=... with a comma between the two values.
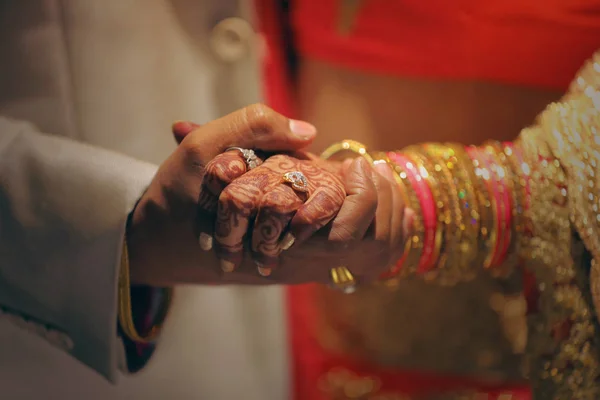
x=399, y=223
x=253, y=127
x=402, y=218
x=181, y=129
x=383, y=215
x=237, y=204
x=358, y=211
x=319, y=210
x=220, y=172
x=346, y=163
x=394, y=239
x=276, y=211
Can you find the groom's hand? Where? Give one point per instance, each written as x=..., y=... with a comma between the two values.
x=162, y=239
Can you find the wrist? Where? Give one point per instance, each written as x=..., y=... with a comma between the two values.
x=136, y=239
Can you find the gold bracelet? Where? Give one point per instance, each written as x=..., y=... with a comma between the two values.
x=350, y=146
x=504, y=167
x=497, y=174
x=413, y=247
x=426, y=170
x=125, y=312
x=452, y=217
x=487, y=207
x=469, y=207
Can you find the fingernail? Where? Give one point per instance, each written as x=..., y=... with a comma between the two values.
x=206, y=241
x=302, y=129
x=287, y=241
x=363, y=164
x=407, y=222
x=263, y=271
x=182, y=127
x=227, y=266
x=384, y=169
x=347, y=162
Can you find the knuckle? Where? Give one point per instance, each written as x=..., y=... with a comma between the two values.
x=193, y=157
x=343, y=235
x=367, y=193
x=235, y=198
x=278, y=158
x=228, y=196
x=304, y=219
x=213, y=167
x=259, y=119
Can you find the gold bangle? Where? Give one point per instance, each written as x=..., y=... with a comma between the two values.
x=412, y=249
x=501, y=232
x=424, y=164
x=468, y=207
x=125, y=313
x=511, y=256
x=487, y=208
x=455, y=228
x=347, y=145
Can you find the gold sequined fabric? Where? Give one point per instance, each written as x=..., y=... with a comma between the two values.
x=476, y=328
x=563, y=345
x=479, y=328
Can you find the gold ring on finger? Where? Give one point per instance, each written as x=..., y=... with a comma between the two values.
x=343, y=280
x=297, y=180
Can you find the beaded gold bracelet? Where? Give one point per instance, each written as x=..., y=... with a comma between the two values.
x=125, y=313
x=487, y=206
x=503, y=207
x=440, y=203
x=451, y=216
x=470, y=205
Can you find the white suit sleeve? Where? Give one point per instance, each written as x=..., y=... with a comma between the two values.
x=63, y=208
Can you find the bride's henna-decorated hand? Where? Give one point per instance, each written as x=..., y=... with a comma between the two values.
x=267, y=213
x=367, y=235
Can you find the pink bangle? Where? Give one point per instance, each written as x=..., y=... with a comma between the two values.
x=426, y=263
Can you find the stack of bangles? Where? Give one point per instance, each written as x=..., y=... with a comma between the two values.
x=470, y=205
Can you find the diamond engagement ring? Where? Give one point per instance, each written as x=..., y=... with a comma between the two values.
x=297, y=180
x=249, y=156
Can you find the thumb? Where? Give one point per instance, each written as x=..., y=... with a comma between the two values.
x=254, y=127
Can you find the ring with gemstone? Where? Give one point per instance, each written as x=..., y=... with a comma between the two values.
x=249, y=156
x=297, y=180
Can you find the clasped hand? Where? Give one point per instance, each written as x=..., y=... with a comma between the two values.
x=208, y=218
